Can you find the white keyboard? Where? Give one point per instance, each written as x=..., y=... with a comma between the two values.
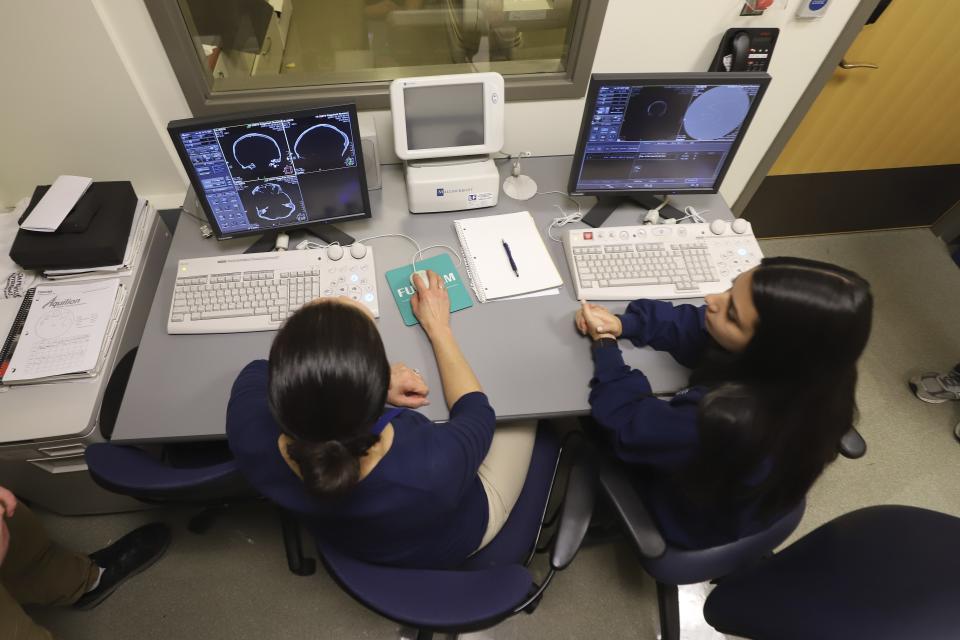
x=258, y=291
x=659, y=261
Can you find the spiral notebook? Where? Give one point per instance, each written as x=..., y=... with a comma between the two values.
x=61, y=332
x=488, y=261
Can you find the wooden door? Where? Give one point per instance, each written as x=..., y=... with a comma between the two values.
x=880, y=147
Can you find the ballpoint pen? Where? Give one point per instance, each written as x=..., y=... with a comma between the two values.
x=513, y=265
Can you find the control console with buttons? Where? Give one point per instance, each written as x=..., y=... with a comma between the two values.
x=257, y=292
x=659, y=261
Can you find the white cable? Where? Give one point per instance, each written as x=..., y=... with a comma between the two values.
x=565, y=218
x=693, y=213
x=419, y=254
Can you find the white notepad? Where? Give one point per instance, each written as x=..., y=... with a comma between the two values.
x=488, y=266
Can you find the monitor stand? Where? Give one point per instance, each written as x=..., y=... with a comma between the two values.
x=607, y=204
x=326, y=232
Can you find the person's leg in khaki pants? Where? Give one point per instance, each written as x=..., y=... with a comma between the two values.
x=37, y=571
x=504, y=470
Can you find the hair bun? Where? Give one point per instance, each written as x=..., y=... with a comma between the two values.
x=328, y=468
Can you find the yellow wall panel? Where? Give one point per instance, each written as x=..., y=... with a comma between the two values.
x=904, y=114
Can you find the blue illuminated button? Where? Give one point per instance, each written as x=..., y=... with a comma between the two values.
x=354, y=278
x=741, y=251
x=368, y=297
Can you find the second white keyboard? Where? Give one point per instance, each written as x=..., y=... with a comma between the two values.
x=659, y=261
x=258, y=291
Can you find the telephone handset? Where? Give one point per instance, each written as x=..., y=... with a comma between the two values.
x=745, y=49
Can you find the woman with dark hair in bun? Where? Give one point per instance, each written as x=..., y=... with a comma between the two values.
x=774, y=363
x=311, y=432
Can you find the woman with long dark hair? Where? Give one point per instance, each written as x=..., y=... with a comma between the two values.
x=772, y=392
x=311, y=432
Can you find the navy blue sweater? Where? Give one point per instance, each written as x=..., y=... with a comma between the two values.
x=422, y=506
x=660, y=437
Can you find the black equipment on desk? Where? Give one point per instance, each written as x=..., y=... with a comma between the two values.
x=660, y=133
x=743, y=49
x=267, y=173
x=94, y=233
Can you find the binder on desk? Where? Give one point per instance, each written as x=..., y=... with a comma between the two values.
x=61, y=332
x=505, y=256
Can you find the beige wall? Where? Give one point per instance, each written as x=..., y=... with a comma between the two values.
x=122, y=53
x=68, y=104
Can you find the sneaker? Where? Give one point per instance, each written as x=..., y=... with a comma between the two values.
x=124, y=559
x=936, y=388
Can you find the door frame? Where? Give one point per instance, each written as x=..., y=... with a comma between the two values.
x=827, y=68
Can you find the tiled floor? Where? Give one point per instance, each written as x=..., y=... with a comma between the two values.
x=232, y=583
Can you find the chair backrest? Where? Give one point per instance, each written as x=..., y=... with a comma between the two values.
x=484, y=590
x=883, y=572
x=686, y=566
x=133, y=472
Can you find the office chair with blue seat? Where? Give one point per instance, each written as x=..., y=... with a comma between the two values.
x=885, y=572
x=493, y=584
x=198, y=475
x=672, y=566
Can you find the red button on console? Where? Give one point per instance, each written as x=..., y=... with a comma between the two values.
x=588, y=235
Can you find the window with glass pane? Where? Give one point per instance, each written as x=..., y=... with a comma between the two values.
x=259, y=44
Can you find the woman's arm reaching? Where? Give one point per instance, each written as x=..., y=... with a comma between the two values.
x=431, y=306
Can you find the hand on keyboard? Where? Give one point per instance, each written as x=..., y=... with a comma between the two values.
x=596, y=321
x=407, y=388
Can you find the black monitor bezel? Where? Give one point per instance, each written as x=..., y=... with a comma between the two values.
x=176, y=127
x=653, y=79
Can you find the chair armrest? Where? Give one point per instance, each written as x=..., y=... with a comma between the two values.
x=640, y=526
x=575, y=513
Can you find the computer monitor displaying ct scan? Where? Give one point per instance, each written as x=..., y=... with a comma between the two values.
x=662, y=133
x=275, y=172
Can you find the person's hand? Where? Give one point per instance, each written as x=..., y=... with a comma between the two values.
x=8, y=505
x=4, y=540
x=8, y=502
x=407, y=388
x=597, y=322
x=431, y=305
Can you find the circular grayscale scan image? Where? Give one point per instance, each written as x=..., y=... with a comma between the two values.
x=716, y=113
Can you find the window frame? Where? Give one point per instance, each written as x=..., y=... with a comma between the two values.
x=198, y=89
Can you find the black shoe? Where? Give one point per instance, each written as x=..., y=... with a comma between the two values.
x=124, y=559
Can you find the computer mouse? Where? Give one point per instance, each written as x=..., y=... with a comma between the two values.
x=420, y=280
x=358, y=250
x=334, y=251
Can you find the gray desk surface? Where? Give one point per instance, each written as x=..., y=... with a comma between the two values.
x=526, y=353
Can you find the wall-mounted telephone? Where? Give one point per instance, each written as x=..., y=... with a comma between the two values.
x=744, y=49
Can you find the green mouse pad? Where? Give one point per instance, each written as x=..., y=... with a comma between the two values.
x=399, y=282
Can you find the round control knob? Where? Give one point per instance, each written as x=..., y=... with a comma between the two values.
x=624, y=235
x=358, y=250
x=334, y=252
x=740, y=226
x=718, y=227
